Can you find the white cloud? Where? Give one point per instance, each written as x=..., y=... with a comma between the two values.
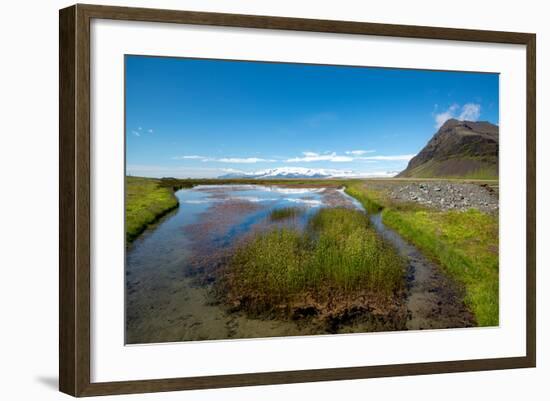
x=469, y=111
x=307, y=157
x=358, y=152
x=135, y=133
x=447, y=114
x=316, y=157
x=240, y=160
x=150, y=131
x=188, y=157
x=333, y=157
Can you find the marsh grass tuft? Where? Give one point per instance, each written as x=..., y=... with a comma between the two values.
x=285, y=213
x=338, y=254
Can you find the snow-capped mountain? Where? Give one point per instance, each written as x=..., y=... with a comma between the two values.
x=302, y=172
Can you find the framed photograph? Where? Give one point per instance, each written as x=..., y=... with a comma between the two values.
x=250, y=200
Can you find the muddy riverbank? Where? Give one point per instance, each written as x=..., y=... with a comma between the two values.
x=433, y=300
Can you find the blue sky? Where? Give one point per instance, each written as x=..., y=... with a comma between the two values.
x=206, y=118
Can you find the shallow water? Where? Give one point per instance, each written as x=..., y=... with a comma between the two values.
x=166, y=303
x=163, y=300
x=433, y=300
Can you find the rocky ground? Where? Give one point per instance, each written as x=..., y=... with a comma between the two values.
x=446, y=195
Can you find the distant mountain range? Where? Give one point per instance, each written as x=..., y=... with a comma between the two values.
x=302, y=172
x=465, y=149
x=462, y=149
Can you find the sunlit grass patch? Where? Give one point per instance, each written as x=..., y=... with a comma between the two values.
x=465, y=244
x=338, y=253
x=371, y=200
x=146, y=202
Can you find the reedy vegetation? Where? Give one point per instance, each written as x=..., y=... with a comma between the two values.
x=285, y=213
x=337, y=255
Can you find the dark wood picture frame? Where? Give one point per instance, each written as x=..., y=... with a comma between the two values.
x=74, y=203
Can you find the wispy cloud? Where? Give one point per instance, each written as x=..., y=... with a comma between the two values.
x=350, y=157
x=189, y=157
x=139, y=130
x=306, y=157
x=469, y=111
x=440, y=118
x=316, y=157
x=241, y=160
x=358, y=152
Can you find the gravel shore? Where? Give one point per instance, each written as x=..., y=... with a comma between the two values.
x=445, y=195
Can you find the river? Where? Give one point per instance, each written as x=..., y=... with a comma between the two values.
x=166, y=303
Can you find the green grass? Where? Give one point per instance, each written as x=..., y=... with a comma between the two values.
x=146, y=202
x=371, y=201
x=338, y=254
x=285, y=213
x=485, y=170
x=464, y=244
x=283, y=264
x=482, y=174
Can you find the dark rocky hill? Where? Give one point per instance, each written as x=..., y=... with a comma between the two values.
x=462, y=149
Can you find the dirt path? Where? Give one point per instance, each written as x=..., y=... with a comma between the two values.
x=434, y=301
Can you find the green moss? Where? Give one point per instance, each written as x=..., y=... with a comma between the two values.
x=146, y=202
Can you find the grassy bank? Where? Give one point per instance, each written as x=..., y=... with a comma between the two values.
x=338, y=256
x=465, y=244
x=146, y=202
x=371, y=201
